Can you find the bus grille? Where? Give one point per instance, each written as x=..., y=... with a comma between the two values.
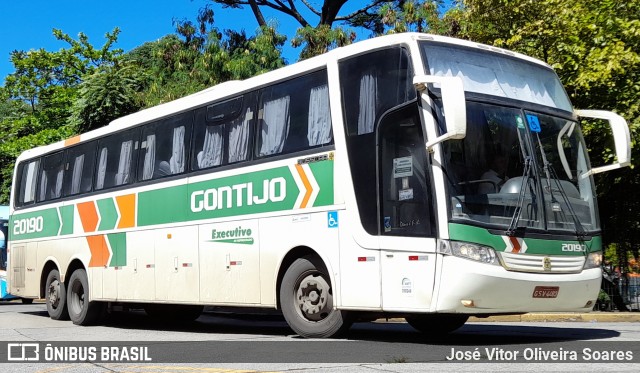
x=542, y=263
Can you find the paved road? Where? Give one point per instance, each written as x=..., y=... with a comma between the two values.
x=218, y=343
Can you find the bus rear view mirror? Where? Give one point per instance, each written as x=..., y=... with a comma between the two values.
x=453, y=104
x=621, y=138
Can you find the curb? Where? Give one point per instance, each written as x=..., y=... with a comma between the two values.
x=563, y=317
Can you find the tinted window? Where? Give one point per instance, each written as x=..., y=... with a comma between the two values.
x=371, y=84
x=164, y=147
x=116, y=155
x=78, y=176
x=51, y=176
x=223, y=132
x=28, y=178
x=294, y=115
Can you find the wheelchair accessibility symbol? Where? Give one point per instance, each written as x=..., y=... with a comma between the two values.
x=332, y=219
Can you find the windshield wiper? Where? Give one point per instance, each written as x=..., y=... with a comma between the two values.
x=526, y=175
x=555, y=206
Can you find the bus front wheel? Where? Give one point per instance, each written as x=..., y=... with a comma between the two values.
x=306, y=300
x=56, y=295
x=81, y=311
x=437, y=324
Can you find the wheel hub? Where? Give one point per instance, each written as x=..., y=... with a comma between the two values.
x=312, y=297
x=54, y=293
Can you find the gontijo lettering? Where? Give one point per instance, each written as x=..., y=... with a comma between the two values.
x=273, y=190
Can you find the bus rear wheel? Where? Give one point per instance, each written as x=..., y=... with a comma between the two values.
x=81, y=310
x=437, y=324
x=306, y=300
x=56, y=295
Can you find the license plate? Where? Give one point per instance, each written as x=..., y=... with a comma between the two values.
x=546, y=291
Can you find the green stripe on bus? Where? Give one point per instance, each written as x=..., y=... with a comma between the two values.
x=118, y=243
x=251, y=193
x=108, y=214
x=461, y=232
x=38, y=224
x=66, y=215
x=323, y=172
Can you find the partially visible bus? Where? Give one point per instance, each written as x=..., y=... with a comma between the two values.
x=353, y=185
x=4, y=235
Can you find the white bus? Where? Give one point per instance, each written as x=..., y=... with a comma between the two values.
x=409, y=175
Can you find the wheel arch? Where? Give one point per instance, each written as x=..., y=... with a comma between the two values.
x=75, y=264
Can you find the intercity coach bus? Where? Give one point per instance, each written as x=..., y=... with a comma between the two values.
x=410, y=175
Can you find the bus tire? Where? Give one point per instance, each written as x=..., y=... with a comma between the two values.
x=56, y=295
x=437, y=324
x=306, y=300
x=81, y=310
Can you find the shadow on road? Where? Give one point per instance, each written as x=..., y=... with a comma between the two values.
x=272, y=324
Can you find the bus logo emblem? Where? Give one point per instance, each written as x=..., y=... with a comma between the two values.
x=546, y=263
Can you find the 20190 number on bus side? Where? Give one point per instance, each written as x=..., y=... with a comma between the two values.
x=409, y=175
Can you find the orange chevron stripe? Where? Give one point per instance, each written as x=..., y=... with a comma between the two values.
x=72, y=140
x=127, y=207
x=515, y=244
x=88, y=216
x=99, y=251
x=307, y=186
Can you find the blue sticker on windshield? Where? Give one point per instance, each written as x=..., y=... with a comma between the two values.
x=534, y=123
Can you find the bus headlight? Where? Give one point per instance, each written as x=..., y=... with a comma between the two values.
x=468, y=250
x=594, y=260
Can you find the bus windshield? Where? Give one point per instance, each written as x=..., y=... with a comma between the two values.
x=516, y=168
x=497, y=74
x=502, y=161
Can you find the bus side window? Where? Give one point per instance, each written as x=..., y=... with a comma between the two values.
x=28, y=182
x=164, y=145
x=295, y=115
x=116, y=154
x=51, y=177
x=79, y=169
x=222, y=132
x=371, y=84
x=273, y=120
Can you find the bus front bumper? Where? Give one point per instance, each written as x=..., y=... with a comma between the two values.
x=476, y=288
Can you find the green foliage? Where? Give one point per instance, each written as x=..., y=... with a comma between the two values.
x=200, y=56
x=107, y=94
x=253, y=56
x=414, y=16
x=325, y=35
x=318, y=40
x=37, y=99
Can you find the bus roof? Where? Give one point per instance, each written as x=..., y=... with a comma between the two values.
x=234, y=87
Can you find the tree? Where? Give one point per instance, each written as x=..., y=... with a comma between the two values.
x=321, y=34
x=109, y=93
x=199, y=56
x=418, y=16
x=327, y=14
x=37, y=98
